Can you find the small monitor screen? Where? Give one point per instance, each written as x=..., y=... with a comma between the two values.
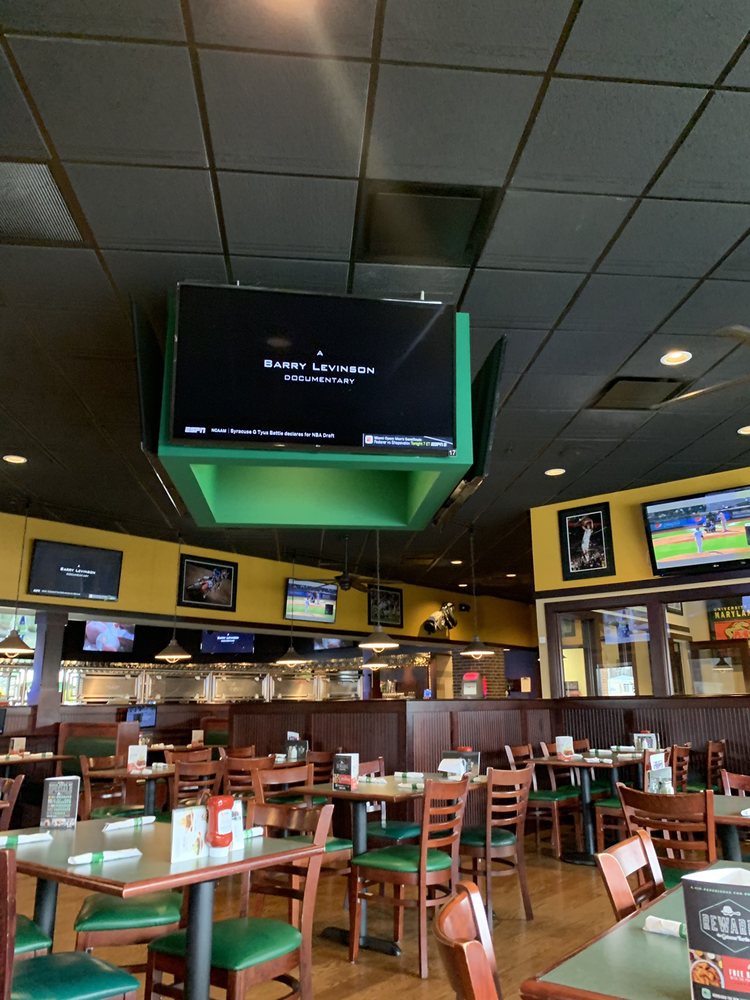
x=2, y=719
x=62, y=570
x=109, y=637
x=227, y=642
x=322, y=642
x=311, y=601
x=144, y=715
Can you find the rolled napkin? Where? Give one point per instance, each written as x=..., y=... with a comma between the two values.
x=371, y=779
x=744, y=812
x=14, y=839
x=414, y=786
x=591, y=760
x=409, y=775
x=254, y=831
x=659, y=925
x=96, y=857
x=127, y=824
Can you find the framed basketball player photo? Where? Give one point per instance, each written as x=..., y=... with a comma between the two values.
x=207, y=583
x=586, y=542
x=385, y=606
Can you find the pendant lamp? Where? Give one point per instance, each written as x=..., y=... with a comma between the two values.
x=721, y=664
x=13, y=645
x=291, y=658
x=476, y=649
x=378, y=640
x=173, y=652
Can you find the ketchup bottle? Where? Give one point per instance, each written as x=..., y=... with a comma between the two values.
x=219, y=833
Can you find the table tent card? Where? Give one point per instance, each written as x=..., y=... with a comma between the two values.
x=645, y=741
x=189, y=827
x=469, y=761
x=345, y=771
x=17, y=744
x=659, y=775
x=60, y=802
x=137, y=757
x=196, y=737
x=717, y=918
x=296, y=751
x=564, y=746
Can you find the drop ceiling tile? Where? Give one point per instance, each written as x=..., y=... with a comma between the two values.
x=69, y=332
x=520, y=346
x=677, y=423
x=518, y=299
x=718, y=445
x=676, y=238
x=543, y=424
x=295, y=275
x=720, y=137
x=444, y=284
x=283, y=114
x=740, y=75
x=69, y=278
x=148, y=207
x=134, y=19
x=607, y=476
x=19, y=135
x=608, y=424
x=712, y=305
x=320, y=27
x=269, y=214
x=549, y=230
x=737, y=264
x=706, y=352
x=497, y=34
x=603, y=137
x=585, y=352
x=139, y=107
x=421, y=131
x=672, y=40
x=628, y=306
x=569, y=393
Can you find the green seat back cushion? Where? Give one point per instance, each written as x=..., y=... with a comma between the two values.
x=601, y=785
x=338, y=844
x=29, y=937
x=238, y=943
x=90, y=746
x=69, y=976
x=286, y=800
x=394, y=829
x=474, y=836
x=611, y=803
x=101, y=912
x=216, y=738
x=558, y=795
x=402, y=859
x=673, y=876
x=102, y=812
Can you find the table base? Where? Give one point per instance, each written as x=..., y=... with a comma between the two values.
x=578, y=858
x=341, y=936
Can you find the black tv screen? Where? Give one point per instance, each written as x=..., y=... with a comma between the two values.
x=227, y=642
x=700, y=533
x=308, y=371
x=62, y=570
x=311, y=601
x=144, y=715
x=109, y=637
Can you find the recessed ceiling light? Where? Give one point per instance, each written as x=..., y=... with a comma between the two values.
x=463, y=585
x=672, y=358
x=15, y=459
x=744, y=430
x=511, y=575
x=554, y=472
x=457, y=562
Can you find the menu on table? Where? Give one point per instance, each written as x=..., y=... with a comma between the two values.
x=717, y=917
x=60, y=802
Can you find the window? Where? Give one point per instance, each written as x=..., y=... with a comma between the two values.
x=605, y=652
x=708, y=645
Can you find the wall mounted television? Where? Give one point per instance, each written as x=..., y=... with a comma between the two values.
x=702, y=533
x=108, y=637
x=227, y=642
x=269, y=369
x=310, y=601
x=144, y=715
x=77, y=571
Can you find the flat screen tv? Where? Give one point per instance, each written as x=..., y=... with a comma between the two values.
x=108, y=637
x=227, y=642
x=701, y=533
x=270, y=369
x=310, y=601
x=144, y=715
x=76, y=571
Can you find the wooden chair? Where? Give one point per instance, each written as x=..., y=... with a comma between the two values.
x=734, y=783
x=465, y=946
x=716, y=758
x=201, y=756
x=193, y=782
x=500, y=841
x=242, y=946
x=682, y=828
x=431, y=867
x=238, y=774
x=609, y=817
x=73, y=975
x=322, y=762
x=679, y=760
x=9, y=789
x=549, y=805
x=385, y=831
x=248, y=751
x=632, y=857
x=102, y=795
x=276, y=786
x=600, y=787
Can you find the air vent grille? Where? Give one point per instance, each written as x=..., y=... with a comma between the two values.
x=636, y=393
x=32, y=207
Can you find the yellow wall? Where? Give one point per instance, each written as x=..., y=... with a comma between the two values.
x=148, y=586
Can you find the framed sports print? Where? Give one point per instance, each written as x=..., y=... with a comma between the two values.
x=388, y=610
x=207, y=583
x=586, y=542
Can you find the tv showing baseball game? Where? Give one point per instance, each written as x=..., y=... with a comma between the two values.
x=708, y=532
x=311, y=601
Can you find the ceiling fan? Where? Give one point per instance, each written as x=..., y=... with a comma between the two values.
x=737, y=332
x=347, y=580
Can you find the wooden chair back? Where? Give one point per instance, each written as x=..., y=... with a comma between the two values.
x=716, y=758
x=507, y=799
x=7, y=920
x=278, y=780
x=679, y=760
x=682, y=826
x=734, y=783
x=188, y=756
x=442, y=819
x=98, y=791
x=238, y=774
x=550, y=749
x=9, y=789
x=195, y=781
x=631, y=858
x=322, y=762
x=465, y=946
x=374, y=769
x=248, y=751
x=521, y=754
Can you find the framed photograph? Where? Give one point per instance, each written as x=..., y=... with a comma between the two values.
x=207, y=583
x=567, y=627
x=388, y=610
x=586, y=542
x=675, y=607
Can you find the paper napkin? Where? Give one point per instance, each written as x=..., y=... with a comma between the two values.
x=659, y=925
x=96, y=857
x=126, y=824
x=409, y=775
x=414, y=786
x=370, y=779
x=14, y=839
x=254, y=831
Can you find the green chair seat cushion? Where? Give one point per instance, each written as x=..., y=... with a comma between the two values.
x=394, y=829
x=103, y=812
x=554, y=795
x=71, y=975
x=404, y=858
x=673, y=876
x=601, y=785
x=238, y=943
x=474, y=836
x=338, y=844
x=701, y=786
x=612, y=802
x=29, y=937
x=287, y=800
x=100, y=912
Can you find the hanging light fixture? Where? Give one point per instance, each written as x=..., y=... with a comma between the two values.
x=13, y=645
x=291, y=658
x=378, y=640
x=721, y=664
x=173, y=652
x=476, y=649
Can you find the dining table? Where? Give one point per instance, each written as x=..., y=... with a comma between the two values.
x=149, y=775
x=26, y=759
x=151, y=871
